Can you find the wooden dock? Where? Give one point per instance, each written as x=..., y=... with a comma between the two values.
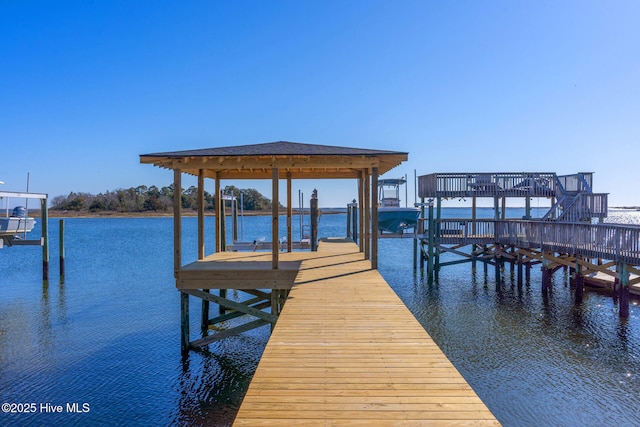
x=347, y=351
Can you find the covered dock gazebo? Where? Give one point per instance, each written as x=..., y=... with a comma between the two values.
x=274, y=161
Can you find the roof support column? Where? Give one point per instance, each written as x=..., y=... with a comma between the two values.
x=204, y=314
x=218, y=213
x=362, y=209
x=177, y=258
x=274, y=218
x=289, y=212
x=374, y=220
x=177, y=220
x=366, y=208
x=201, y=214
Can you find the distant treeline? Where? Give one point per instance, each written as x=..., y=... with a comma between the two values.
x=154, y=199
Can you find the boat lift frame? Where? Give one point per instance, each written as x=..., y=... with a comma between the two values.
x=44, y=218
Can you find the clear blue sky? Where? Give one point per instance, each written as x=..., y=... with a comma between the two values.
x=463, y=86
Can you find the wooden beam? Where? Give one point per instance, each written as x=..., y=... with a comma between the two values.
x=232, y=305
x=228, y=333
x=279, y=162
x=235, y=314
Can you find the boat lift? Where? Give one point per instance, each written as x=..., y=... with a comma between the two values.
x=15, y=225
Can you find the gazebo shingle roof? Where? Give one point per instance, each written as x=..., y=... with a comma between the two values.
x=298, y=160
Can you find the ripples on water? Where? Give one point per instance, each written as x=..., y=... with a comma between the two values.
x=110, y=335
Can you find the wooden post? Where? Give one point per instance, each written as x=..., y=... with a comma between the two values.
x=527, y=207
x=430, y=242
x=201, y=214
x=354, y=220
x=436, y=269
x=177, y=258
x=520, y=262
x=579, y=283
x=234, y=219
x=275, y=305
x=348, y=220
x=223, y=224
x=473, y=215
x=222, y=242
x=184, y=322
x=61, y=251
x=623, y=279
x=474, y=247
x=313, y=204
x=274, y=218
x=421, y=249
x=44, y=217
x=366, y=236
x=289, y=214
x=217, y=202
x=204, y=318
x=374, y=220
x=547, y=275
x=177, y=220
x=362, y=209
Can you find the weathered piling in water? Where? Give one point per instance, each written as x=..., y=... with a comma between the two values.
x=61, y=250
x=623, y=283
x=45, y=239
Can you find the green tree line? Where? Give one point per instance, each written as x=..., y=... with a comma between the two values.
x=154, y=199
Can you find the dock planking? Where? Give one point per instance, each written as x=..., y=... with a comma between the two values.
x=347, y=351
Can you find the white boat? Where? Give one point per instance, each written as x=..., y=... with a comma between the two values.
x=393, y=218
x=12, y=226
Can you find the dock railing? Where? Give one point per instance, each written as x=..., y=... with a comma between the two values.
x=614, y=242
x=581, y=207
x=534, y=184
x=577, y=183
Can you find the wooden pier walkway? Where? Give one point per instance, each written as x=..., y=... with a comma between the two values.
x=347, y=351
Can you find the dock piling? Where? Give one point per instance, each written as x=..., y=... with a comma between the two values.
x=61, y=251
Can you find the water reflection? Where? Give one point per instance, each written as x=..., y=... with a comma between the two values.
x=534, y=357
x=110, y=335
x=211, y=385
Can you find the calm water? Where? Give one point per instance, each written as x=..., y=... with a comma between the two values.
x=109, y=337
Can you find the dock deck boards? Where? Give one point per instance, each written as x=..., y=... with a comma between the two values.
x=347, y=351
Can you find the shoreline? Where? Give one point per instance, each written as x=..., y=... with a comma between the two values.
x=54, y=213
x=154, y=214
